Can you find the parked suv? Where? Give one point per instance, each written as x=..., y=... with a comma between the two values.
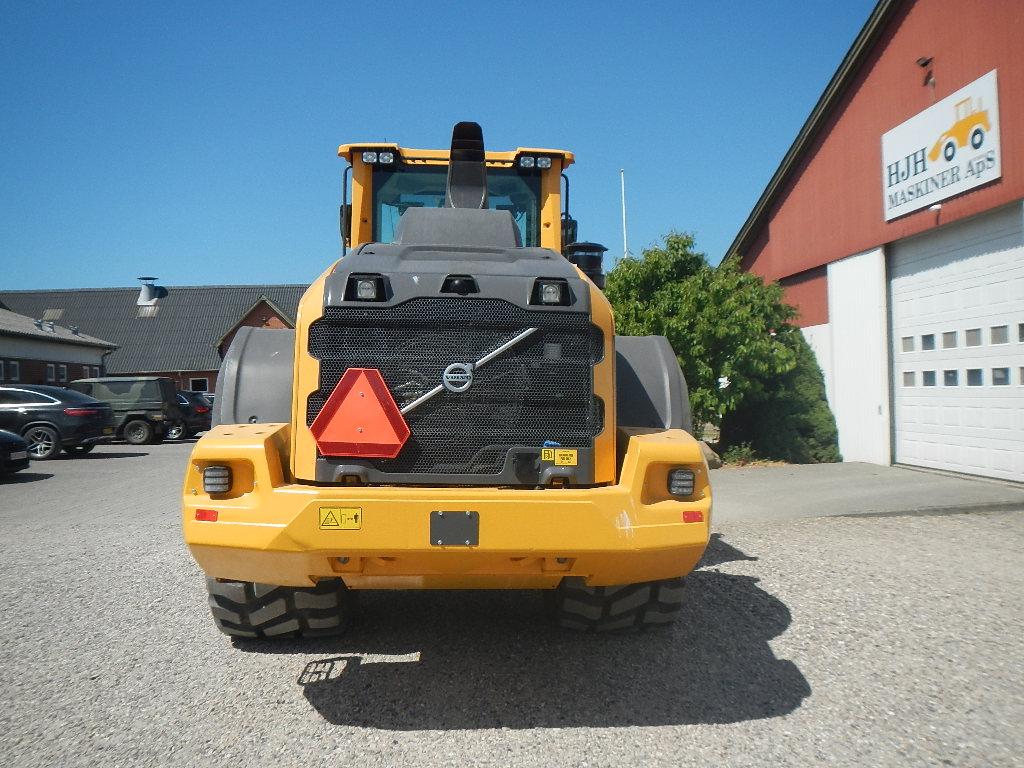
x=52, y=418
x=144, y=406
x=197, y=412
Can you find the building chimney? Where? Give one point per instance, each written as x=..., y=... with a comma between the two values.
x=150, y=293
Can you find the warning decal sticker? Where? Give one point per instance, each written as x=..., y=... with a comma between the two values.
x=341, y=518
x=565, y=458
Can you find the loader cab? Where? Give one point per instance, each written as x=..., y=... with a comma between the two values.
x=385, y=180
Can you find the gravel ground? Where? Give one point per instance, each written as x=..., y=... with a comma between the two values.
x=846, y=641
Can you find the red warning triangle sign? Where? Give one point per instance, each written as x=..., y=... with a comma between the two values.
x=360, y=418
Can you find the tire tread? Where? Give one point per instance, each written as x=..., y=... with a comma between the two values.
x=620, y=608
x=245, y=609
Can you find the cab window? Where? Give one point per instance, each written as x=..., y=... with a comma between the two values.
x=397, y=189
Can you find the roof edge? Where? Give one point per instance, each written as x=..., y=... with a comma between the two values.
x=848, y=68
x=60, y=339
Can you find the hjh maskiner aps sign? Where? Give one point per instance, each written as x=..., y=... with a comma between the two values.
x=947, y=149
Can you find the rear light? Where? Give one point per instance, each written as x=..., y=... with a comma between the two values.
x=680, y=482
x=693, y=516
x=207, y=515
x=217, y=479
x=81, y=412
x=202, y=409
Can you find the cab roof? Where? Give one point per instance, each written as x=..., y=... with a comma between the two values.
x=440, y=156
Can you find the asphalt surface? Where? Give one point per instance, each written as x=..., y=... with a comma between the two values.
x=884, y=640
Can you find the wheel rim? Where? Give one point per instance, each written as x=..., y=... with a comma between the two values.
x=40, y=442
x=175, y=432
x=137, y=433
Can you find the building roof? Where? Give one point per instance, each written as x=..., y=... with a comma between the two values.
x=180, y=334
x=834, y=91
x=13, y=324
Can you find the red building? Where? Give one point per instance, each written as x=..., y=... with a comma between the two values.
x=895, y=225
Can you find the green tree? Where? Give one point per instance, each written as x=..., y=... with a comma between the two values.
x=722, y=323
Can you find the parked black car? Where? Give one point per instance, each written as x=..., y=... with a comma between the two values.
x=144, y=406
x=13, y=453
x=51, y=418
x=198, y=414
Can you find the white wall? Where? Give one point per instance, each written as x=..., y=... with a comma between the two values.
x=819, y=337
x=860, y=356
x=42, y=349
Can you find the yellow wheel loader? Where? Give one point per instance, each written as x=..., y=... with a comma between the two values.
x=453, y=410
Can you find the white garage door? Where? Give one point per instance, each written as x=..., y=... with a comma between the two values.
x=957, y=299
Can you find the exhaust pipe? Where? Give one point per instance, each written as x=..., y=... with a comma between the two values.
x=467, y=172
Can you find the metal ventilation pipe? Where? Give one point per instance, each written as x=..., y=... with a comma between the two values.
x=150, y=293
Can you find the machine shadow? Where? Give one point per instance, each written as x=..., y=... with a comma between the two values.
x=467, y=660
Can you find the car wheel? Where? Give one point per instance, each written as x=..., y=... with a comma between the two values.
x=78, y=450
x=176, y=431
x=43, y=442
x=138, y=432
x=949, y=151
x=977, y=138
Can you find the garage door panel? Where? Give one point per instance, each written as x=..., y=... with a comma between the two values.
x=960, y=291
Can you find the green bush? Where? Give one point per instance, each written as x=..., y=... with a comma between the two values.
x=790, y=421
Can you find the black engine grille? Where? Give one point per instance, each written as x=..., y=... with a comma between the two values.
x=540, y=389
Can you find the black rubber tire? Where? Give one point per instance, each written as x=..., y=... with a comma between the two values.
x=176, y=431
x=79, y=450
x=138, y=432
x=622, y=608
x=43, y=442
x=244, y=609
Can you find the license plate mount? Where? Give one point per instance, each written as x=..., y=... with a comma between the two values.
x=460, y=528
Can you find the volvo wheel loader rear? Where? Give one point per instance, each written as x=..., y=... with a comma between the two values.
x=452, y=410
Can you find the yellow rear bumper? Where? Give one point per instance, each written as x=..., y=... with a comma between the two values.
x=271, y=530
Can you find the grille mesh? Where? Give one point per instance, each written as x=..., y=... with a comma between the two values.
x=540, y=389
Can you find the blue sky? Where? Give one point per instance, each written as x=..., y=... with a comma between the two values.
x=196, y=141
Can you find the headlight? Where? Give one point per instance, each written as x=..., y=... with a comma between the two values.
x=680, y=482
x=366, y=290
x=550, y=293
x=386, y=158
x=543, y=162
x=527, y=162
x=369, y=157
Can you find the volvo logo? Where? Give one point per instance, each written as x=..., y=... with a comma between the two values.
x=457, y=377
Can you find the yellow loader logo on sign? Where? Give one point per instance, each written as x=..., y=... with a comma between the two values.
x=341, y=518
x=971, y=126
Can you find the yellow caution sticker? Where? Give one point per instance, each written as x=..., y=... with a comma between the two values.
x=341, y=518
x=547, y=454
x=565, y=457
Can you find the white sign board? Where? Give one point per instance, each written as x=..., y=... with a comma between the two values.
x=947, y=149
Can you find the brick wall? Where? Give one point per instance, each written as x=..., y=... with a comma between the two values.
x=35, y=371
